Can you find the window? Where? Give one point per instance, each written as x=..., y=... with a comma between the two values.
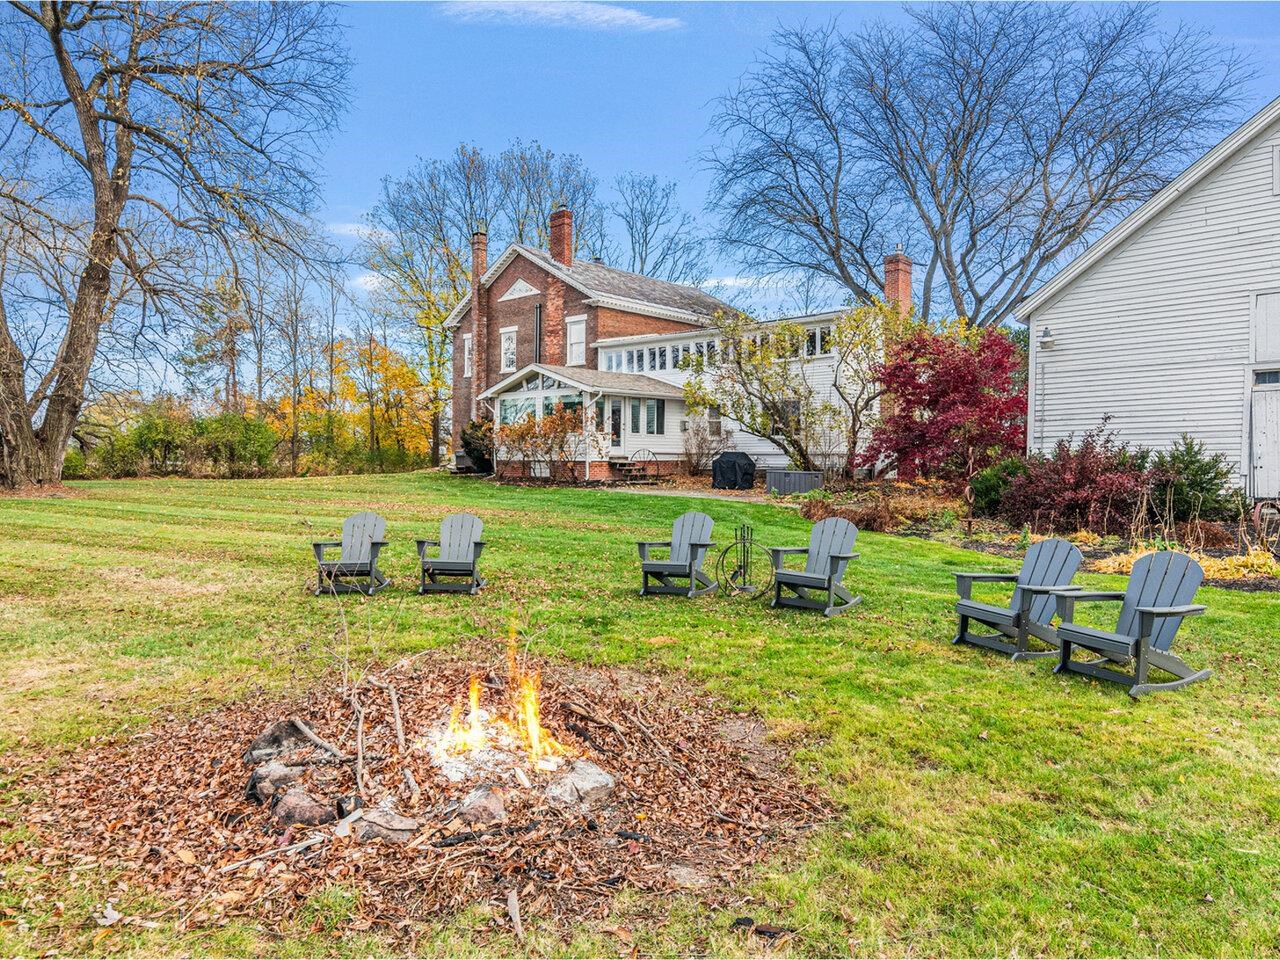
x=662, y=358
x=515, y=409
x=635, y=416
x=713, y=423
x=576, y=341
x=711, y=351
x=811, y=343
x=655, y=416
x=508, y=350
x=631, y=361
x=466, y=354
x=824, y=340
x=1266, y=377
x=653, y=358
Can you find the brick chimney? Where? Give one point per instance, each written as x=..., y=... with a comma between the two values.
x=562, y=235
x=897, y=281
x=479, y=313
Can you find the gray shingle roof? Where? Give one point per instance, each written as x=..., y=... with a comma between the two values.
x=612, y=282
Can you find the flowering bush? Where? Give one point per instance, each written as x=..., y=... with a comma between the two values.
x=1100, y=485
x=954, y=404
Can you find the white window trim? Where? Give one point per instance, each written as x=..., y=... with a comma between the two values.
x=569, y=324
x=466, y=355
x=514, y=331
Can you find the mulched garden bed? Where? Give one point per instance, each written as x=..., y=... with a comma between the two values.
x=698, y=796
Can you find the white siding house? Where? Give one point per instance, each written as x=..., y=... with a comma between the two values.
x=1170, y=323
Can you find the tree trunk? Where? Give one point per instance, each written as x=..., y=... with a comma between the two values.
x=435, y=438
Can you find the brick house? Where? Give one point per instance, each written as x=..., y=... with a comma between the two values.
x=541, y=328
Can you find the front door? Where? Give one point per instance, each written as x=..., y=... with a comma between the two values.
x=1264, y=428
x=615, y=424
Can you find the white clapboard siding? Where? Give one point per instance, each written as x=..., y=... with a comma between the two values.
x=1157, y=333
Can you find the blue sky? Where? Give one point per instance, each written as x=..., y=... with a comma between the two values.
x=626, y=86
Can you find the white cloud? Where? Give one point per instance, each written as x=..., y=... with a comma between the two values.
x=366, y=281
x=355, y=230
x=570, y=13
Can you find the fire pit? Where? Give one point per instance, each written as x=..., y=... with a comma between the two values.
x=428, y=787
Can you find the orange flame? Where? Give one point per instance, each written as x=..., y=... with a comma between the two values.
x=523, y=722
x=461, y=737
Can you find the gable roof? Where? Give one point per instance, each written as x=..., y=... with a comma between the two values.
x=584, y=378
x=610, y=287
x=1242, y=137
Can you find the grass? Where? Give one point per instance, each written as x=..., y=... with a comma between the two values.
x=986, y=807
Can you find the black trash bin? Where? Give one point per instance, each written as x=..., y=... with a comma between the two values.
x=733, y=471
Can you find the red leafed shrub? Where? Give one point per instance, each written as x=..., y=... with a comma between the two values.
x=1099, y=485
x=955, y=406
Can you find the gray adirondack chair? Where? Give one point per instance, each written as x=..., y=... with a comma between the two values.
x=356, y=569
x=689, y=543
x=459, y=555
x=1048, y=566
x=1153, y=606
x=828, y=554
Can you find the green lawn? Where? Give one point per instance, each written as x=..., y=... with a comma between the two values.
x=985, y=807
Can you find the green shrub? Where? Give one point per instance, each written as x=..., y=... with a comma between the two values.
x=477, y=444
x=990, y=484
x=235, y=445
x=1189, y=484
x=74, y=464
x=117, y=457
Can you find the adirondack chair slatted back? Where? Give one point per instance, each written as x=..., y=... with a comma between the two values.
x=458, y=533
x=691, y=527
x=357, y=533
x=1163, y=579
x=830, y=536
x=1049, y=563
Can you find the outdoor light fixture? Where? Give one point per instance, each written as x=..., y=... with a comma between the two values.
x=1046, y=339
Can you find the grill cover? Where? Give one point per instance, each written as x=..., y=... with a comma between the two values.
x=733, y=471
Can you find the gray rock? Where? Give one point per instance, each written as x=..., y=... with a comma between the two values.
x=378, y=824
x=270, y=778
x=484, y=804
x=298, y=806
x=582, y=787
x=281, y=737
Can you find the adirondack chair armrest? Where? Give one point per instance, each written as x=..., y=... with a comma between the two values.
x=698, y=550
x=836, y=559
x=1030, y=592
x=477, y=547
x=644, y=546
x=375, y=546
x=1186, y=610
x=422, y=547
x=965, y=581
x=320, y=546
x=1067, y=597
x=780, y=554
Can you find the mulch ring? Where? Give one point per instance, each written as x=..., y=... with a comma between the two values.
x=698, y=797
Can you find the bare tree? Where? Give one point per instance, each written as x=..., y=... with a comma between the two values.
x=993, y=139
x=663, y=240
x=532, y=181
x=422, y=274
x=144, y=143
